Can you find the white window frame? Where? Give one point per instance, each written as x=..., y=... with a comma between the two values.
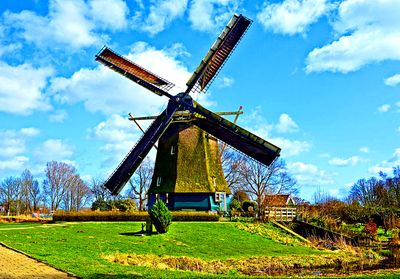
x=158, y=181
x=173, y=149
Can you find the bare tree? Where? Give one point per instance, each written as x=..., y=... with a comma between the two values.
x=63, y=186
x=232, y=161
x=77, y=193
x=29, y=191
x=35, y=195
x=9, y=194
x=260, y=181
x=140, y=183
x=98, y=190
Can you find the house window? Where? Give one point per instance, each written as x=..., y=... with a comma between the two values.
x=173, y=149
x=158, y=181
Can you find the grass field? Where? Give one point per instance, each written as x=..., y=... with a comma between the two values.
x=81, y=248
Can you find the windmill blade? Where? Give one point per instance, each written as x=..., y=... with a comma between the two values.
x=132, y=161
x=237, y=137
x=219, y=52
x=134, y=72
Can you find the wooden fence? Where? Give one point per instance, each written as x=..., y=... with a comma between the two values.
x=281, y=213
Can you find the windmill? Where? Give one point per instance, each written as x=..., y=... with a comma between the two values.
x=186, y=116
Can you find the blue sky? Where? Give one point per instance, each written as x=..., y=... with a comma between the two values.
x=319, y=78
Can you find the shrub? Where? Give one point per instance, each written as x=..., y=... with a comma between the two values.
x=235, y=205
x=247, y=204
x=127, y=205
x=183, y=216
x=371, y=229
x=101, y=205
x=107, y=216
x=160, y=216
x=110, y=216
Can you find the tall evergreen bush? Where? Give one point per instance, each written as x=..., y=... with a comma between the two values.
x=160, y=216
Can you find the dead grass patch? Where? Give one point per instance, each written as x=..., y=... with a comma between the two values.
x=273, y=266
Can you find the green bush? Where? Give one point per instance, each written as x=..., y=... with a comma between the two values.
x=101, y=205
x=160, y=216
x=110, y=216
x=182, y=216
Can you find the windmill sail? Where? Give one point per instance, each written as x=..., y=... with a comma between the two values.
x=237, y=137
x=219, y=52
x=132, y=161
x=134, y=72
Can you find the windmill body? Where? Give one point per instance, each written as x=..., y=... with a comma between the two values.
x=192, y=176
x=188, y=173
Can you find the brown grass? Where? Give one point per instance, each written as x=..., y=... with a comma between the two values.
x=265, y=265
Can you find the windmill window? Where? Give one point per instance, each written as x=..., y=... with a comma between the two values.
x=158, y=180
x=173, y=150
x=218, y=196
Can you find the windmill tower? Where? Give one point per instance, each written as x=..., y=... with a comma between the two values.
x=188, y=173
x=187, y=124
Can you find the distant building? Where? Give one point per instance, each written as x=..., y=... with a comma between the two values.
x=279, y=200
x=281, y=207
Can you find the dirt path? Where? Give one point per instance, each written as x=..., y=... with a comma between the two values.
x=17, y=265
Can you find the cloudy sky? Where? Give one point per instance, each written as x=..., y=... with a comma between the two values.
x=319, y=78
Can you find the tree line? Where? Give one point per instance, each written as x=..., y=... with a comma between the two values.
x=63, y=187
x=374, y=200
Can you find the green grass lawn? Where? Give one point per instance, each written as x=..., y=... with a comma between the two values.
x=79, y=247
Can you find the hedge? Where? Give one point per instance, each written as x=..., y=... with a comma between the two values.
x=110, y=216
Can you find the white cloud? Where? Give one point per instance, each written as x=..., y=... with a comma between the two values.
x=65, y=24
x=69, y=23
x=58, y=116
x=21, y=88
x=255, y=123
x=29, y=132
x=364, y=149
x=393, y=80
x=14, y=164
x=291, y=147
x=286, y=124
x=109, y=14
x=352, y=161
x=224, y=81
x=211, y=15
x=10, y=48
x=368, y=32
x=119, y=136
x=309, y=174
x=386, y=166
x=384, y=108
x=13, y=142
x=53, y=150
x=161, y=14
x=292, y=16
x=101, y=89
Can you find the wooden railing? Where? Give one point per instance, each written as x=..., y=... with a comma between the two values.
x=280, y=213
